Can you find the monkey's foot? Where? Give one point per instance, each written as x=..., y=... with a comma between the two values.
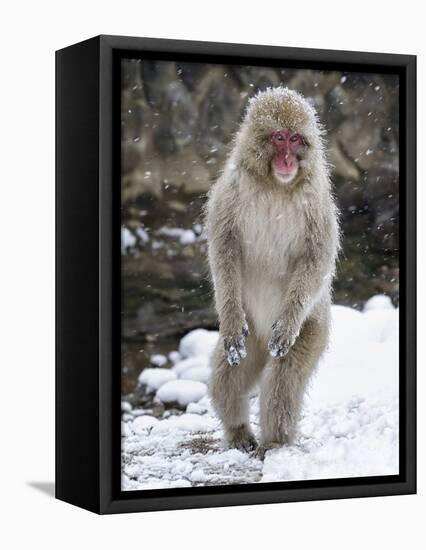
x=262, y=449
x=241, y=438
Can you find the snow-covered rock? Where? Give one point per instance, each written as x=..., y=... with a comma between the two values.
x=181, y=391
x=174, y=357
x=142, y=234
x=155, y=378
x=196, y=408
x=200, y=374
x=128, y=240
x=380, y=301
x=199, y=361
x=187, y=237
x=158, y=360
x=198, y=342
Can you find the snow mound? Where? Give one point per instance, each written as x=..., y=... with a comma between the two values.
x=155, y=378
x=200, y=374
x=198, y=342
x=380, y=301
x=190, y=363
x=349, y=425
x=181, y=391
x=187, y=237
x=158, y=360
x=174, y=357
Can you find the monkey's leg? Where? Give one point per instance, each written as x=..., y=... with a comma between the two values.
x=229, y=391
x=284, y=383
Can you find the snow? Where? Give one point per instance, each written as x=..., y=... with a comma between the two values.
x=198, y=342
x=349, y=425
x=201, y=374
x=184, y=236
x=380, y=301
x=142, y=234
x=142, y=423
x=181, y=391
x=174, y=357
x=128, y=240
x=198, y=361
x=187, y=237
x=158, y=360
x=156, y=377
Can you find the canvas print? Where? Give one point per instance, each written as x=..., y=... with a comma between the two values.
x=259, y=274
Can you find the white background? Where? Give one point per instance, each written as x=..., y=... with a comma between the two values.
x=29, y=33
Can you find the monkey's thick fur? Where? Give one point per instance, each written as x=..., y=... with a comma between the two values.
x=272, y=252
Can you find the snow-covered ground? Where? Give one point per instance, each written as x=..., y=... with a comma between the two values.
x=349, y=425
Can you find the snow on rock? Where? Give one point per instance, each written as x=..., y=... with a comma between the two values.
x=185, y=236
x=380, y=301
x=128, y=240
x=174, y=357
x=155, y=378
x=142, y=234
x=192, y=362
x=181, y=391
x=158, y=360
x=198, y=342
x=197, y=408
x=349, y=424
x=200, y=374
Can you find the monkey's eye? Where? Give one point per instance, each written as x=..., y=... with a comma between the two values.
x=279, y=136
x=294, y=137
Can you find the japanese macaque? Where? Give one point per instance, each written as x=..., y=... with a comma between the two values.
x=273, y=239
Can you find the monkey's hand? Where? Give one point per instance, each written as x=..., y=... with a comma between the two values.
x=283, y=337
x=235, y=347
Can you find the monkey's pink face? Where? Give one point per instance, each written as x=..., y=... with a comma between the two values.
x=286, y=161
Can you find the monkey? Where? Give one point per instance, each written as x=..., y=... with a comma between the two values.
x=273, y=239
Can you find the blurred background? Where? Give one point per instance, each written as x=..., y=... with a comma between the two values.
x=177, y=123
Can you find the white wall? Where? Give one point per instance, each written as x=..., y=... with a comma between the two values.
x=30, y=32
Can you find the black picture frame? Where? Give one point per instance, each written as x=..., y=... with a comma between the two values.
x=88, y=275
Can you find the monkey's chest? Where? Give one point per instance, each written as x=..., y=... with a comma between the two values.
x=272, y=243
x=272, y=239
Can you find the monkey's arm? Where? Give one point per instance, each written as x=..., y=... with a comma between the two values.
x=225, y=264
x=311, y=278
